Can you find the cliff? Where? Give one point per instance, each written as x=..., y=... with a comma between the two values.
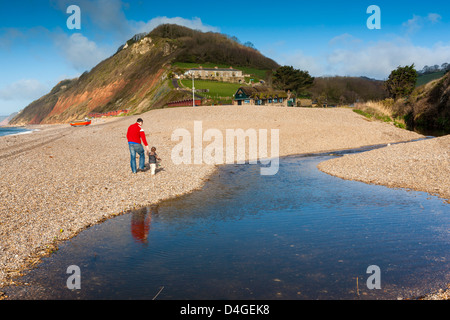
x=4, y=121
x=136, y=77
x=428, y=108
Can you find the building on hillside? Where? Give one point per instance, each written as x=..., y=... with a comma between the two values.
x=218, y=74
x=262, y=95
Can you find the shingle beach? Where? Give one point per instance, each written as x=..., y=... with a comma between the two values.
x=422, y=166
x=59, y=180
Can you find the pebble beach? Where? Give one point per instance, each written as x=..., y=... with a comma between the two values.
x=60, y=180
x=422, y=166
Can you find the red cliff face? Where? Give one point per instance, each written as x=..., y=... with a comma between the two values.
x=88, y=100
x=128, y=80
x=136, y=76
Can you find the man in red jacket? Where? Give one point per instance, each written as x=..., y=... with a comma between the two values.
x=135, y=135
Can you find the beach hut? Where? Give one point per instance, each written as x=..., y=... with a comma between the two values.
x=261, y=95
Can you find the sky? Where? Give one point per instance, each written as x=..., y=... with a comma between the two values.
x=39, y=47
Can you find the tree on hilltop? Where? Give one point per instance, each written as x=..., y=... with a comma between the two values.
x=287, y=78
x=401, y=81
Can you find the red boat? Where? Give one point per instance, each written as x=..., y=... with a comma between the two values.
x=80, y=123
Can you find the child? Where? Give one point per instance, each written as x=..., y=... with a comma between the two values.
x=152, y=160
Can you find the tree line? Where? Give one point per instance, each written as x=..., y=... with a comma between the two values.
x=205, y=47
x=330, y=90
x=423, y=108
x=445, y=67
x=348, y=90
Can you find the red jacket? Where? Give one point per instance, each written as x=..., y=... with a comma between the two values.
x=136, y=134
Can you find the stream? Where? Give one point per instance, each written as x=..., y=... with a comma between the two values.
x=301, y=234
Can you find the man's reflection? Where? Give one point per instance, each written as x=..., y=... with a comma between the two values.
x=140, y=223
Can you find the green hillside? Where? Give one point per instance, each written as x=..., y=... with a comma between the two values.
x=425, y=78
x=216, y=89
x=138, y=76
x=256, y=74
x=210, y=47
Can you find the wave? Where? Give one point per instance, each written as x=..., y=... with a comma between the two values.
x=8, y=131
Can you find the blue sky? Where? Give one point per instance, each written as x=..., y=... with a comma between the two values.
x=37, y=50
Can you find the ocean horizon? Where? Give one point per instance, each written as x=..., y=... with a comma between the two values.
x=7, y=131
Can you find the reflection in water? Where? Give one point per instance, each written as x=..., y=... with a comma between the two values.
x=140, y=223
x=301, y=234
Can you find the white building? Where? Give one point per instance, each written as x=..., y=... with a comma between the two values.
x=218, y=74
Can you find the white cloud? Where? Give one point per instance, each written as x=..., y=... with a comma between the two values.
x=194, y=23
x=299, y=60
x=345, y=39
x=374, y=60
x=8, y=36
x=83, y=54
x=379, y=59
x=434, y=17
x=106, y=15
x=418, y=22
x=12, y=37
x=414, y=24
x=25, y=89
x=80, y=52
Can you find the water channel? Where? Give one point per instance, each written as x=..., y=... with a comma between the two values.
x=301, y=234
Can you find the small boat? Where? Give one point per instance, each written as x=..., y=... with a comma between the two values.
x=80, y=123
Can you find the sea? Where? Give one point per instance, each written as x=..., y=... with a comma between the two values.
x=6, y=131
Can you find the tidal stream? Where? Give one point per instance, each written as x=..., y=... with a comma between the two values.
x=301, y=234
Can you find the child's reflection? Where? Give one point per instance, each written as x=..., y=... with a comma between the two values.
x=140, y=223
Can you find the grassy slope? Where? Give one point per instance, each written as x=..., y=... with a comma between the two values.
x=424, y=79
x=258, y=73
x=216, y=89
x=426, y=110
x=137, y=81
